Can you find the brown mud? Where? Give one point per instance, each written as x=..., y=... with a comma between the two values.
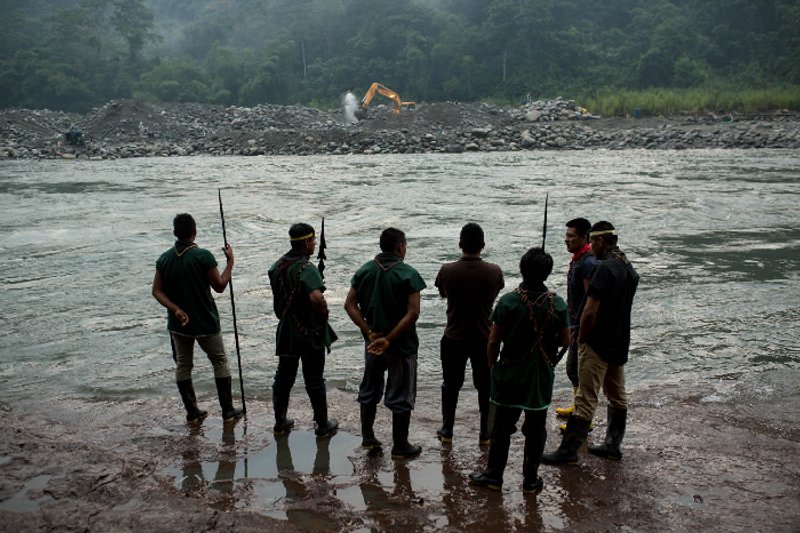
x=691, y=462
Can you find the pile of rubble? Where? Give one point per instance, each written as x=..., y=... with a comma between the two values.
x=130, y=128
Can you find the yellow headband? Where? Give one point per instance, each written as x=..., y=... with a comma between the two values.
x=602, y=232
x=304, y=237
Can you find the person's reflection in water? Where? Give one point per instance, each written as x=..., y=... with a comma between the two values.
x=377, y=499
x=456, y=507
x=193, y=479
x=533, y=513
x=226, y=469
x=322, y=461
x=402, y=482
x=465, y=508
x=285, y=466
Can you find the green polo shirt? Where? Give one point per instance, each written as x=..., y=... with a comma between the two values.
x=527, y=380
x=292, y=278
x=184, y=278
x=383, y=299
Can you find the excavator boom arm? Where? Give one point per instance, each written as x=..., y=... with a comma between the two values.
x=388, y=93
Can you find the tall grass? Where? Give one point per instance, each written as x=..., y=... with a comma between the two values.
x=654, y=102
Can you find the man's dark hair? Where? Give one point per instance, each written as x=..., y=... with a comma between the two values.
x=605, y=226
x=471, y=238
x=297, y=232
x=581, y=225
x=184, y=226
x=535, y=266
x=391, y=238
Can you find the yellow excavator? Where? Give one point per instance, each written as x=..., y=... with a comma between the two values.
x=388, y=93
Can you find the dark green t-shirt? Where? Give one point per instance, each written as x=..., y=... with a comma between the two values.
x=292, y=278
x=185, y=281
x=383, y=288
x=523, y=377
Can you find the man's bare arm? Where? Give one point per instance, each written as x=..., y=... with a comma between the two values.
x=219, y=282
x=493, y=346
x=163, y=299
x=380, y=344
x=318, y=304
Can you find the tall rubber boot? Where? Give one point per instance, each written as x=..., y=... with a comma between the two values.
x=617, y=420
x=449, y=403
x=368, y=439
x=492, y=477
x=564, y=412
x=326, y=427
x=229, y=412
x=402, y=448
x=193, y=413
x=280, y=405
x=484, y=438
x=574, y=437
x=534, y=446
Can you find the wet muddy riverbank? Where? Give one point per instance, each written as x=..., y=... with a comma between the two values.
x=718, y=457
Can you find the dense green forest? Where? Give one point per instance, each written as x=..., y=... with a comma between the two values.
x=75, y=54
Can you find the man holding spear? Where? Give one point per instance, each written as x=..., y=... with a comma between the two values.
x=303, y=330
x=183, y=276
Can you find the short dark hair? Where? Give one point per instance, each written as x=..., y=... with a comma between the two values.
x=298, y=231
x=581, y=225
x=604, y=225
x=535, y=266
x=471, y=238
x=184, y=226
x=391, y=238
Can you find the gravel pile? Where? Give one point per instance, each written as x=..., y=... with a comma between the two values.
x=130, y=128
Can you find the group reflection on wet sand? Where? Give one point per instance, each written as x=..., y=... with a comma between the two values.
x=309, y=482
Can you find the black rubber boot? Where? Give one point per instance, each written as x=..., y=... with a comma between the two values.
x=193, y=413
x=574, y=437
x=492, y=477
x=326, y=427
x=280, y=405
x=229, y=412
x=534, y=446
x=485, y=437
x=402, y=448
x=368, y=439
x=617, y=419
x=449, y=403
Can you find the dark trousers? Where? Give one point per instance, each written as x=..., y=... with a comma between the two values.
x=286, y=374
x=454, y=355
x=401, y=385
x=504, y=424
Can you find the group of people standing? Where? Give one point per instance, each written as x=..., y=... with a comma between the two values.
x=512, y=347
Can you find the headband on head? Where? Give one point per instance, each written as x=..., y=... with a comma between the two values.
x=602, y=232
x=304, y=237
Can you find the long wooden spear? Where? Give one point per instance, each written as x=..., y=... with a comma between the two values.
x=233, y=304
x=544, y=225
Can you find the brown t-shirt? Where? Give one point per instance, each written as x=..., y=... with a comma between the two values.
x=471, y=286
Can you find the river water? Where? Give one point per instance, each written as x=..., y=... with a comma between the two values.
x=713, y=235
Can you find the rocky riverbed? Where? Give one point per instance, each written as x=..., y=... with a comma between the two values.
x=130, y=128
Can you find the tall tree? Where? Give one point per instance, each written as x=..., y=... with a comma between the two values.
x=135, y=22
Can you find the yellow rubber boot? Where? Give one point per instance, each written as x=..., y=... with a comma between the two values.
x=564, y=412
x=563, y=427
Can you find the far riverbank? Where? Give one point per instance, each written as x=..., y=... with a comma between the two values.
x=130, y=128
